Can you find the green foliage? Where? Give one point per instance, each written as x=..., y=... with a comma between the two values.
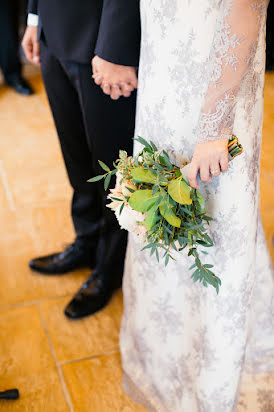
x=169, y=215
x=201, y=200
x=179, y=190
x=175, y=213
x=141, y=175
x=144, y=142
x=107, y=181
x=104, y=166
x=106, y=176
x=96, y=178
x=151, y=218
x=143, y=200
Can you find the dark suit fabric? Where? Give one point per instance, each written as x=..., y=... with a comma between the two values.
x=9, y=42
x=90, y=126
x=73, y=30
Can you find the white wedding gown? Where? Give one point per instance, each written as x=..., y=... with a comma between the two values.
x=185, y=349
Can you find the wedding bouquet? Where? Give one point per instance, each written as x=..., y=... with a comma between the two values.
x=153, y=201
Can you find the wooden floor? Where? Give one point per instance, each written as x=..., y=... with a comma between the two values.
x=60, y=365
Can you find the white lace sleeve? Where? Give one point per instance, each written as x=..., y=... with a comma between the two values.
x=233, y=50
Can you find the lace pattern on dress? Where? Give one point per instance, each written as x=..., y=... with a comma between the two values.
x=233, y=51
x=224, y=114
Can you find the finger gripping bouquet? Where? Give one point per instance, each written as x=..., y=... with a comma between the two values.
x=153, y=201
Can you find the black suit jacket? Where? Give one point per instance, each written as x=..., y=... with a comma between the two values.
x=76, y=30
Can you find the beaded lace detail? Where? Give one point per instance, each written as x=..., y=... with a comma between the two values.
x=232, y=54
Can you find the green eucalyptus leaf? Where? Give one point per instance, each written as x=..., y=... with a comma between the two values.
x=121, y=208
x=117, y=198
x=107, y=181
x=201, y=200
x=203, y=243
x=167, y=231
x=151, y=218
x=150, y=245
x=162, y=160
x=143, y=200
x=167, y=212
x=167, y=160
x=185, y=210
x=207, y=218
x=155, y=189
x=96, y=178
x=104, y=166
x=130, y=189
x=157, y=165
x=141, y=175
x=174, y=246
x=143, y=142
x=153, y=146
x=208, y=239
x=179, y=190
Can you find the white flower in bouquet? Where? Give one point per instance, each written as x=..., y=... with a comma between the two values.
x=131, y=220
x=128, y=219
x=116, y=197
x=119, y=179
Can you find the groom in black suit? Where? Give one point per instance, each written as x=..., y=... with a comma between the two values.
x=10, y=63
x=64, y=37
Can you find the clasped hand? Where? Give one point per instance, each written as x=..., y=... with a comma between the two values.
x=115, y=80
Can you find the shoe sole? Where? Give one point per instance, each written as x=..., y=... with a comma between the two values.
x=63, y=272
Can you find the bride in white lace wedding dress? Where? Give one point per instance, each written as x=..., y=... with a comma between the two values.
x=185, y=349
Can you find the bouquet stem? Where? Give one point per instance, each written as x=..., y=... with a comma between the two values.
x=234, y=147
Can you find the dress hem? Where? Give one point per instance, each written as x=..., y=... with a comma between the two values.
x=136, y=394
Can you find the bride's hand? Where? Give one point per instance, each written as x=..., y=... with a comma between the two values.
x=210, y=158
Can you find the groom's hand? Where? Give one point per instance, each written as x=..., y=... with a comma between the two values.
x=115, y=80
x=31, y=46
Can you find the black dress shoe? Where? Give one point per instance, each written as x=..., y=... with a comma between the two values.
x=93, y=296
x=21, y=86
x=74, y=257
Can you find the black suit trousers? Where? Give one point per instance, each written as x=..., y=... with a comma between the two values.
x=90, y=126
x=9, y=39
